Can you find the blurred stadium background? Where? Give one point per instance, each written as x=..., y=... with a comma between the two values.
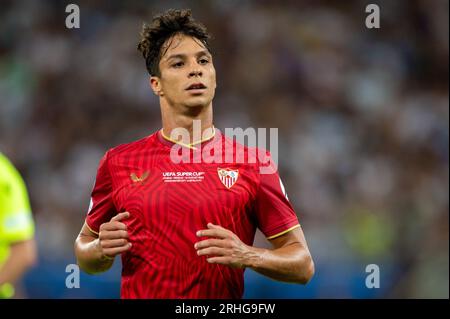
x=363, y=119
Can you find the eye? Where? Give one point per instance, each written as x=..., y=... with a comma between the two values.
x=203, y=61
x=177, y=64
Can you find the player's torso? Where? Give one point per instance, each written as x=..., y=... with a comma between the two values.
x=170, y=202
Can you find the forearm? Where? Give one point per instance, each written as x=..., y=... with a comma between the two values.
x=22, y=256
x=290, y=263
x=89, y=255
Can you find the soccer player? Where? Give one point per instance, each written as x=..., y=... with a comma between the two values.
x=17, y=244
x=185, y=229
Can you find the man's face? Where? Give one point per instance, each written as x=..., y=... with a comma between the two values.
x=187, y=74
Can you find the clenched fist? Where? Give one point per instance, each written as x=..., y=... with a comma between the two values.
x=113, y=236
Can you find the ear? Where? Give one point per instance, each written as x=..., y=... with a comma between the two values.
x=155, y=84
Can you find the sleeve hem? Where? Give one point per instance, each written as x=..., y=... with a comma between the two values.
x=13, y=239
x=283, y=232
x=90, y=228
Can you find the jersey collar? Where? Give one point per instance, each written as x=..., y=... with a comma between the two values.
x=194, y=146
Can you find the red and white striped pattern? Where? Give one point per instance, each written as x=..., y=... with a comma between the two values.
x=228, y=177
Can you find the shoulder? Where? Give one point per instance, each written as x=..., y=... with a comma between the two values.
x=4, y=162
x=129, y=149
x=8, y=172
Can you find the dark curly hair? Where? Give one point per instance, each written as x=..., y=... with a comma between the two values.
x=163, y=27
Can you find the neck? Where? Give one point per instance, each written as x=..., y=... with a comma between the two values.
x=197, y=121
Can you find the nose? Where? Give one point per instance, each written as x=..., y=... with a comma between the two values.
x=195, y=73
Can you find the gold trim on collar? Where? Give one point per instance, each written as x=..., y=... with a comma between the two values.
x=190, y=145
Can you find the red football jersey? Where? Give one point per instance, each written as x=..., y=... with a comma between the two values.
x=170, y=200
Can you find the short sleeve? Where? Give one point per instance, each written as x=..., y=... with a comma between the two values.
x=274, y=212
x=16, y=221
x=101, y=207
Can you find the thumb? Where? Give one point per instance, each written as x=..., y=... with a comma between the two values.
x=120, y=216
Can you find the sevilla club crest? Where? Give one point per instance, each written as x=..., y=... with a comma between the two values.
x=227, y=176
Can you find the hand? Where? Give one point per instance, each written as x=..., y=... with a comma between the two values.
x=113, y=236
x=224, y=248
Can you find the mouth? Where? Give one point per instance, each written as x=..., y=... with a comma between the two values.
x=196, y=88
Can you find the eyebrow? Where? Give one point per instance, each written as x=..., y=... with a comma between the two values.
x=199, y=53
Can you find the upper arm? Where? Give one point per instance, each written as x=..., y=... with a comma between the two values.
x=86, y=231
x=295, y=236
x=24, y=250
x=295, y=246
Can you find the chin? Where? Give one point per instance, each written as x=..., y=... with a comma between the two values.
x=197, y=102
